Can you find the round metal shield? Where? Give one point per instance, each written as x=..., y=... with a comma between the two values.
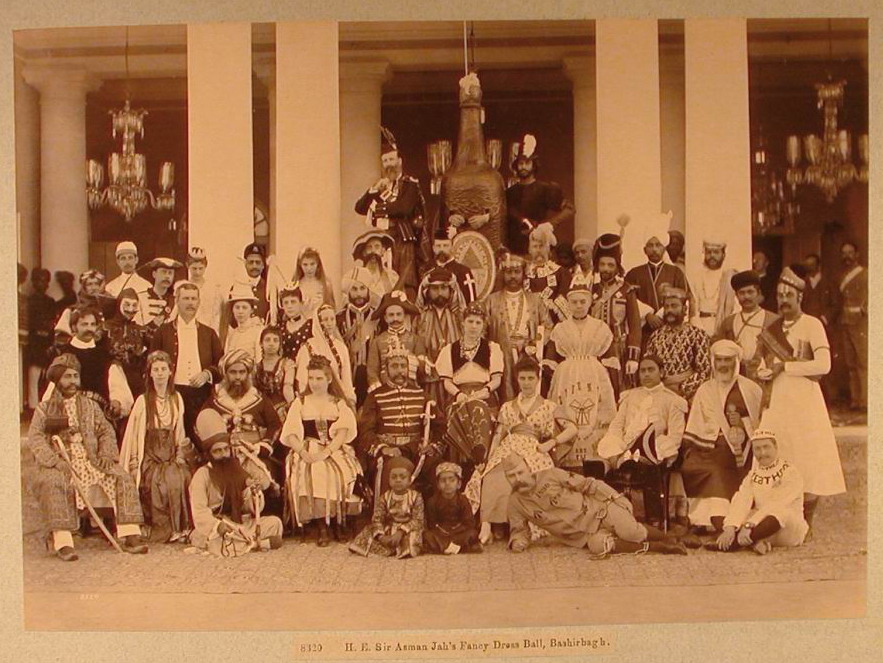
x=473, y=249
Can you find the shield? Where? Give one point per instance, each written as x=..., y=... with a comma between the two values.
x=473, y=249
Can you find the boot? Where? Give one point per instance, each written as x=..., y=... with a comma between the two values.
x=134, y=544
x=323, y=539
x=67, y=554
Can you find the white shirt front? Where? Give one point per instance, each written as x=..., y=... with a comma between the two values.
x=133, y=280
x=188, y=365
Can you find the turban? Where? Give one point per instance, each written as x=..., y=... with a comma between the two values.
x=60, y=365
x=793, y=276
x=453, y=468
x=398, y=461
x=237, y=356
x=91, y=274
x=210, y=429
x=126, y=247
x=355, y=275
x=582, y=241
x=545, y=233
x=657, y=227
x=714, y=242
x=440, y=276
x=726, y=348
x=512, y=461
x=745, y=279
x=512, y=261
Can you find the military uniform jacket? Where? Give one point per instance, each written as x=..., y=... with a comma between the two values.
x=854, y=291
x=617, y=305
x=402, y=206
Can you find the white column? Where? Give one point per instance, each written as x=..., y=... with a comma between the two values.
x=220, y=153
x=629, y=161
x=581, y=70
x=64, y=227
x=27, y=170
x=360, y=97
x=308, y=144
x=718, y=156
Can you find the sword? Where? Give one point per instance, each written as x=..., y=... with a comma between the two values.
x=75, y=479
x=427, y=420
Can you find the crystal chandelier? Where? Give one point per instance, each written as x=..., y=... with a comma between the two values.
x=127, y=192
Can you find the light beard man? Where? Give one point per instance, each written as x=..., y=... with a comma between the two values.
x=545, y=277
x=725, y=411
x=715, y=299
x=745, y=325
x=682, y=347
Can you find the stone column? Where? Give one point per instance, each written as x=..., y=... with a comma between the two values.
x=64, y=226
x=673, y=122
x=581, y=70
x=219, y=121
x=718, y=153
x=360, y=97
x=27, y=170
x=629, y=161
x=308, y=196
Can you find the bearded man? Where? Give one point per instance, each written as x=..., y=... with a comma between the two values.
x=225, y=500
x=682, y=347
x=530, y=202
x=391, y=422
x=71, y=421
x=442, y=250
x=395, y=204
x=439, y=324
x=395, y=317
x=715, y=299
x=854, y=323
x=581, y=512
x=517, y=320
x=545, y=276
x=615, y=303
x=357, y=326
x=745, y=325
x=717, y=448
x=582, y=271
x=369, y=250
x=656, y=276
x=128, y=341
x=91, y=295
x=251, y=419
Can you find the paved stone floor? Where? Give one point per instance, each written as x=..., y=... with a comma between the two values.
x=837, y=552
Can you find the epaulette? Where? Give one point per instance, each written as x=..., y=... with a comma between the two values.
x=410, y=178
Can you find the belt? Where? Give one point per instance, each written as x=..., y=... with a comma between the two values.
x=853, y=309
x=399, y=440
x=706, y=314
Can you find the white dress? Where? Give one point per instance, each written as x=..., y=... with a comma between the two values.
x=797, y=413
x=583, y=384
x=246, y=337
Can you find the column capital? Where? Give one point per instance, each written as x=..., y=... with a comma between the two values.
x=60, y=81
x=580, y=69
x=364, y=75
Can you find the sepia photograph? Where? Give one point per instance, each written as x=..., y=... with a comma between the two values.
x=407, y=327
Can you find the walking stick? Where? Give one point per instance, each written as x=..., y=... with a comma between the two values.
x=75, y=479
x=427, y=420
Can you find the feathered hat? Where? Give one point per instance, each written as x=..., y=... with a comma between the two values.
x=526, y=148
x=388, y=141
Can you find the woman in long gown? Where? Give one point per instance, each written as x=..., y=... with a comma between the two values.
x=156, y=453
x=471, y=371
x=310, y=277
x=580, y=380
x=327, y=342
x=245, y=329
x=529, y=425
x=274, y=373
x=321, y=469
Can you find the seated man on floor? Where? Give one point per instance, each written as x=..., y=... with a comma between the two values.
x=579, y=511
x=717, y=449
x=75, y=449
x=225, y=500
x=767, y=512
x=646, y=430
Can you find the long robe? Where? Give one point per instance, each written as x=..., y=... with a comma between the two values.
x=713, y=465
x=640, y=408
x=448, y=521
x=797, y=412
x=437, y=328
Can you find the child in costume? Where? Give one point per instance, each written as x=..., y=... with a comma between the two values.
x=397, y=525
x=450, y=525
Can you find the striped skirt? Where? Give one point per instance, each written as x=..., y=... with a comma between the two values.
x=323, y=489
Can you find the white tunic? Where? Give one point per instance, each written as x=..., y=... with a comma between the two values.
x=798, y=414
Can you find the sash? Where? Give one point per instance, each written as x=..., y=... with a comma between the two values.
x=855, y=271
x=775, y=340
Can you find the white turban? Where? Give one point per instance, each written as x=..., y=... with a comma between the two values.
x=726, y=348
x=658, y=226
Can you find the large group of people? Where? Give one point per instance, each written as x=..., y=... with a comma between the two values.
x=226, y=417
